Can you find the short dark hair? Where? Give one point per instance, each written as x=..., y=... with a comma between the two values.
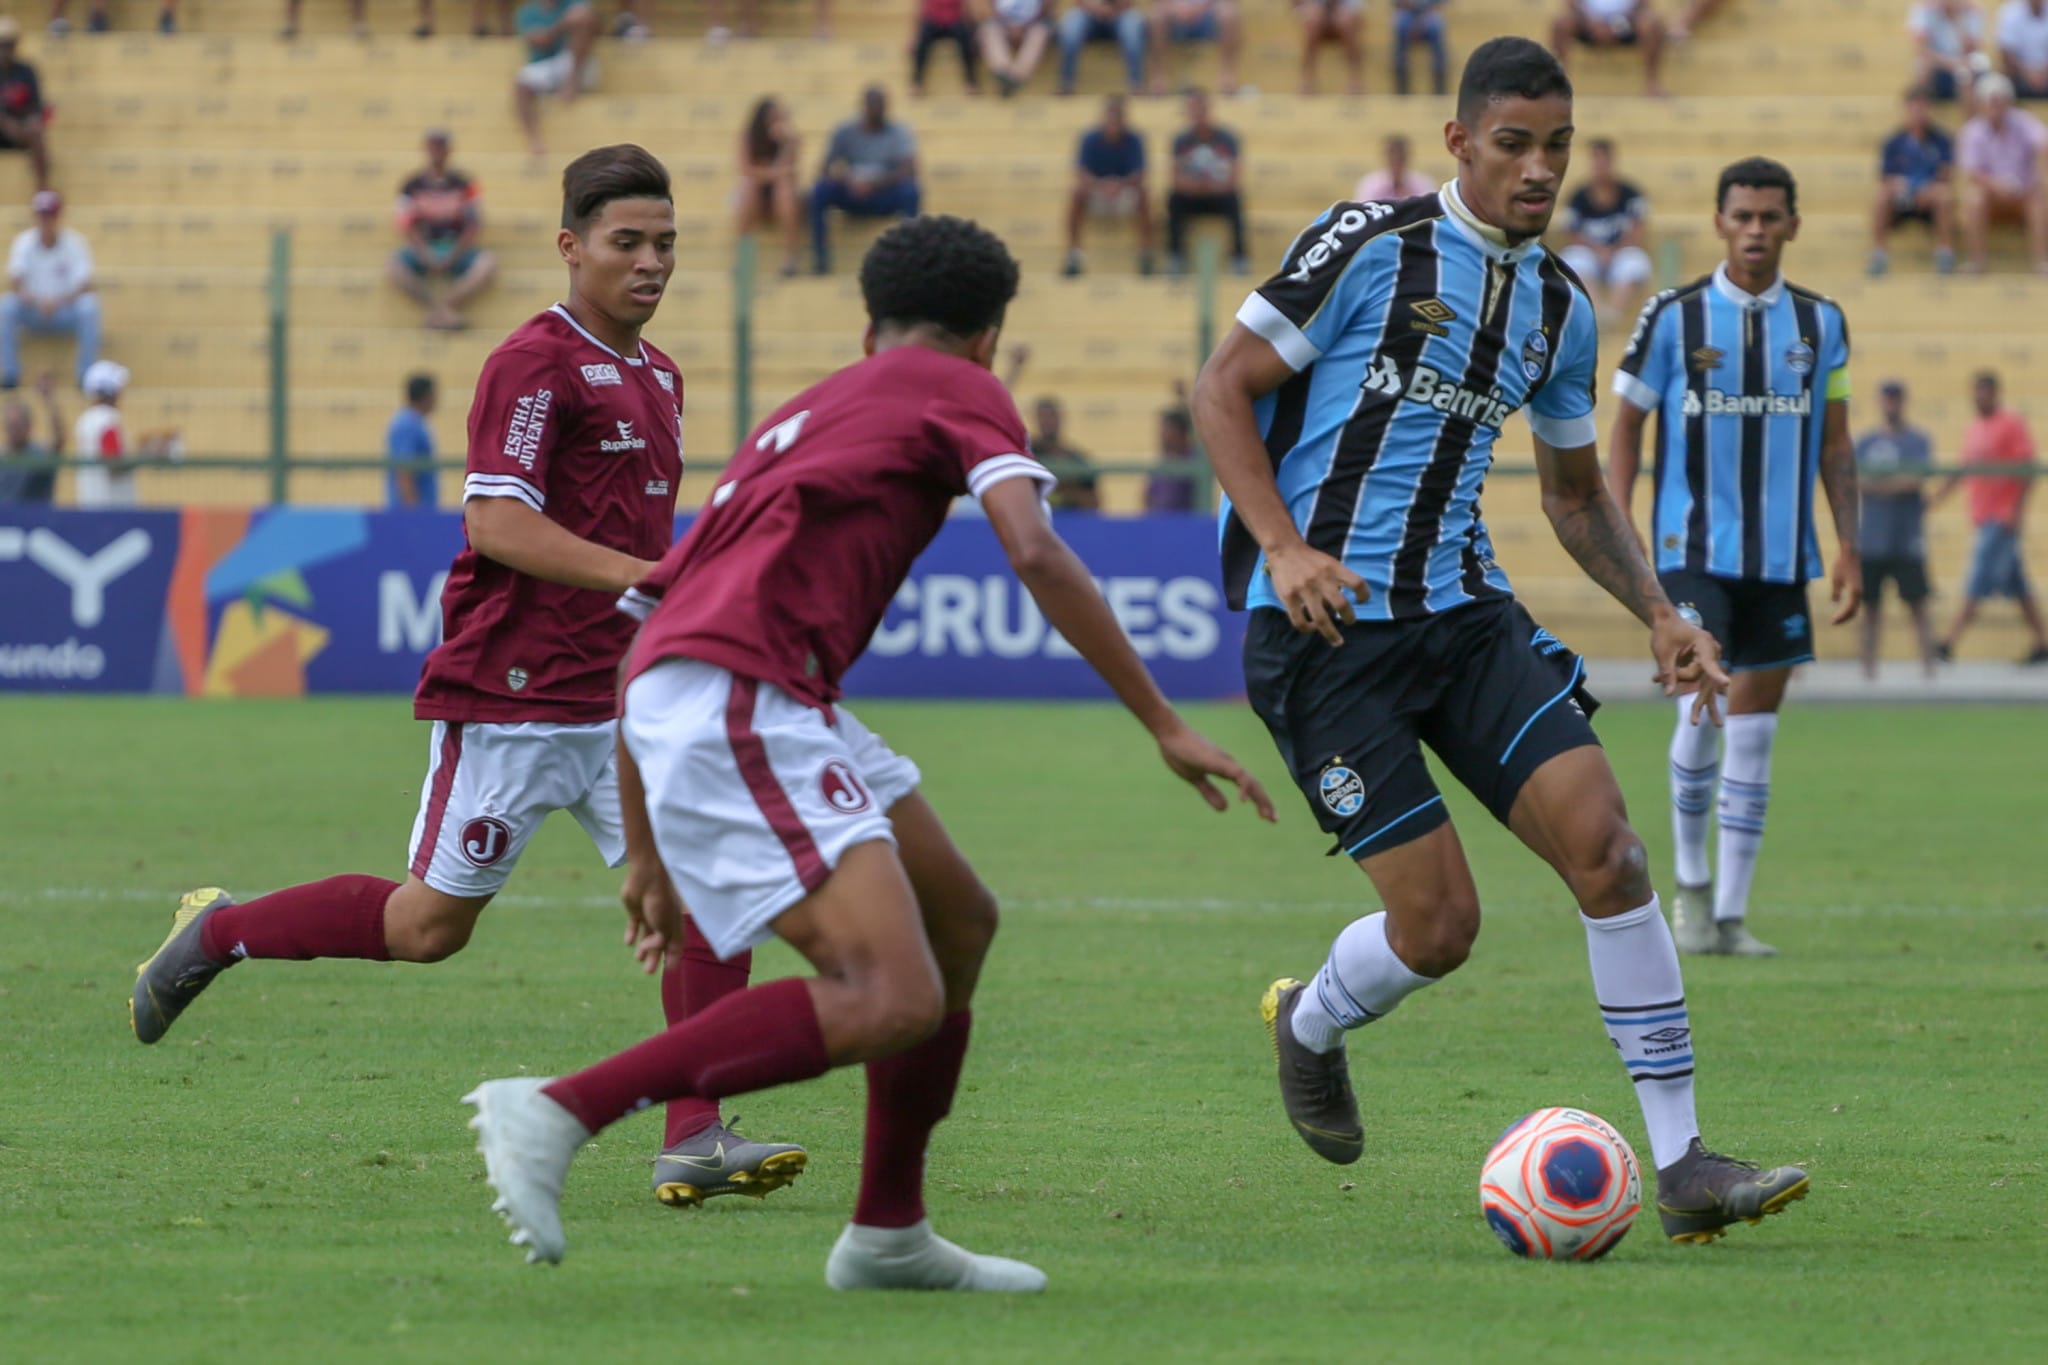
x=1985, y=377
x=1757, y=173
x=1179, y=418
x=418, y=386
x=1601, y=144
x=1509, y=68
x=602, y=174
x=943, y=271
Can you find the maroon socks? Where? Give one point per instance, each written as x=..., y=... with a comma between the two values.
x=907, y=1096
x=696, y=983
x=750, y=1040
x=340, y=917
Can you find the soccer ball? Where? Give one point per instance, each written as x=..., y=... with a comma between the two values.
x=1562, y=1185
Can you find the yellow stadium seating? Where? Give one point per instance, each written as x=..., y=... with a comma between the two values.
x=181, y=156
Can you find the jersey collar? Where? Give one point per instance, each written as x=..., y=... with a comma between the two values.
x=1485, y=236
x=563, y=313
x=1742, y=298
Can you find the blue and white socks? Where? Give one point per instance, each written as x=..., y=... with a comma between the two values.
x=1695, y=770
x=1745, y=797
x=1361, y=980
x=1642, y=1001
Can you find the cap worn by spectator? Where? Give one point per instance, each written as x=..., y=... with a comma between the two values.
x=105, y=379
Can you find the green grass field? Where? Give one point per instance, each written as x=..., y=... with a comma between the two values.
x=287, y=1177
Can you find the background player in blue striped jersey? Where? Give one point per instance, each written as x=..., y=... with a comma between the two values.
x=1749, y=377
x=1351, y=414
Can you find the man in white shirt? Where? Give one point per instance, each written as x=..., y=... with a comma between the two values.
x=50, y=274
x=1612, y=23
x=99, y=440
x=2023, y=46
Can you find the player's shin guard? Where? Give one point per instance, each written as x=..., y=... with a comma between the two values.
x=340, y=917
x=748, y=1041
x=699, y=981
x=908, y=1095
x=1361, y=980
x=1745, y=797
x=1642, y=1001
x=1694, y=770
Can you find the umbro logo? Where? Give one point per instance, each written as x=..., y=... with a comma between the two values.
x=1707, y=358
x=1670, y=1034
x=1430, y=317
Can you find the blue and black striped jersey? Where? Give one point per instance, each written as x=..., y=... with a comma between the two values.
x=1740, y=384
x=1414, y=332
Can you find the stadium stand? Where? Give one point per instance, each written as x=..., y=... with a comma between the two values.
x=179, y=156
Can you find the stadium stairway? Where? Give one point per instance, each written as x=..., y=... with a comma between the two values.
x=181, y=156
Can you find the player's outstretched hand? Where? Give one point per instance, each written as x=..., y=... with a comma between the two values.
x=1317, y=590
x=1845, y=583
x=1689, y=660
x=654, y=915
x=1195, y=760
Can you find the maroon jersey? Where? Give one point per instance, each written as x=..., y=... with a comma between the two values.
x=814, y=526
x=594, y=440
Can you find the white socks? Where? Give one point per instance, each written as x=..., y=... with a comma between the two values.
x=1642, y=1001
x=1745, y=796
x=1361, y=981
x=1694, y=770
x=918, y=1258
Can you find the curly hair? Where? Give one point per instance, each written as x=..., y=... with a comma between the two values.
x=943, y=271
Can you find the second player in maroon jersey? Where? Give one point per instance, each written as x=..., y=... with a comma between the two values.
x=770, y=810
x=575, y=456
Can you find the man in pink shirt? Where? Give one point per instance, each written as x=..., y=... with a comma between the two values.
x=2002, y=154
x=1998, y=505
x=1395, y=180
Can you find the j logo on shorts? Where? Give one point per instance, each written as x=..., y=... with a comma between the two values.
x=842, y=790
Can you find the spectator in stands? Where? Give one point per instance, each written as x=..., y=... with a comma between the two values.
x=409, y=448
x=1607, y=230
x=19, y=483
x=50, y=275
x=2003, y=155
x=1419, y=22
x=1174, y=491
x=870, y=171
x=438, y=263
x=1090, y=21
x=1948, y=43
x=1333, y=21
x=1076, y=490
x=1197, y=21
x=101, y=441
x=97, y=20
x=1891, y=465
x=943, y=21
x=1207, y=168
x=1394, y=181
x=1998, y=506
x=1109, y=182
x=1013, y=41
x=1612, y=23
x=1916, y=185
x=21, y=105
x=2023, y=46
x=558, y=35
x=768, y=169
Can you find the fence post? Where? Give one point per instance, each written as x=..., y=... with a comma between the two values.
x=743, y=341
x=280, y=389
x=1207, y=256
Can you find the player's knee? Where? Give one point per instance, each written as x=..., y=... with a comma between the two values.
x=977, y=919
x=906, y=1012
x=1614, y=875
x=431, y=934
x=1443, y=942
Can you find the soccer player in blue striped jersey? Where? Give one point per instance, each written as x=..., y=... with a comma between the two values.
x=1748, y=375
x=1351, y=414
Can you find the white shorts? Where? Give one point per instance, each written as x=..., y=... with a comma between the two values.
x=1627, y=267
x=754, y=796
x=489, y=787
x=550, y=75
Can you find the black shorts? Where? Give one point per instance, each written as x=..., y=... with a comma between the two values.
x=1492, y=693
x=1909, y=572
x=1758, y=625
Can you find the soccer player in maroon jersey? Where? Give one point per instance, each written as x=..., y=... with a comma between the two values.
x=575, y=456
x=769, y=809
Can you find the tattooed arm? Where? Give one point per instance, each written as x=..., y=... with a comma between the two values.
x=1838, y=478
x=1592, y=526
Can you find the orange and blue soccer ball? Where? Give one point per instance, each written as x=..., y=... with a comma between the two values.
x=1560, y=1185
